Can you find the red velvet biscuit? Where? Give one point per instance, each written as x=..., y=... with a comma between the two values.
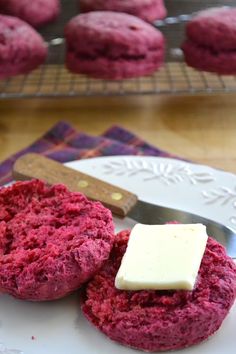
x=35, y=12
x=22, y=49
x=162, y=320
x=223, y=63
x=112, y=45
x=211, y=41
x=148, y=10
x=51, y=240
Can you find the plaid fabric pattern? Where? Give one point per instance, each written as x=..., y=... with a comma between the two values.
x=63, y=143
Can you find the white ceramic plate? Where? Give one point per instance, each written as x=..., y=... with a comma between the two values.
x=59, y=327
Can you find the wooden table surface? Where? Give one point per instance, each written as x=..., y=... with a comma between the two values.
x=199, y=128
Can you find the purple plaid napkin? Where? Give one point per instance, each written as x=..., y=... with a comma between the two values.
x=63, y=143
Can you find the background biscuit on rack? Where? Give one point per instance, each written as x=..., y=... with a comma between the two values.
x=148, y=10
x=35, y=12
x=22, y=49
x=211, y=41
x=120, y=45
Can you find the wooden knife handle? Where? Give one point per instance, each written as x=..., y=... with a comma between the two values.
x=33, y=165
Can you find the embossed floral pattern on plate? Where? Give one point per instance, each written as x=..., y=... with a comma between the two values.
x=164, y=172
x=4, y=350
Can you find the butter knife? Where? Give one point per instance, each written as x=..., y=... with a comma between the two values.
x=120, y=201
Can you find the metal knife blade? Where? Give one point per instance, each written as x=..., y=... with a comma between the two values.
x=147, y=213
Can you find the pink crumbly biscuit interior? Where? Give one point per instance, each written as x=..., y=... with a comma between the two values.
x=51, y=240
x=162, y=320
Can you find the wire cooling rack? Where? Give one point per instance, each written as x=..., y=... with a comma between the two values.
x=53, y=80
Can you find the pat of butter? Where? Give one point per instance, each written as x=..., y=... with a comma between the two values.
x=162, y=257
